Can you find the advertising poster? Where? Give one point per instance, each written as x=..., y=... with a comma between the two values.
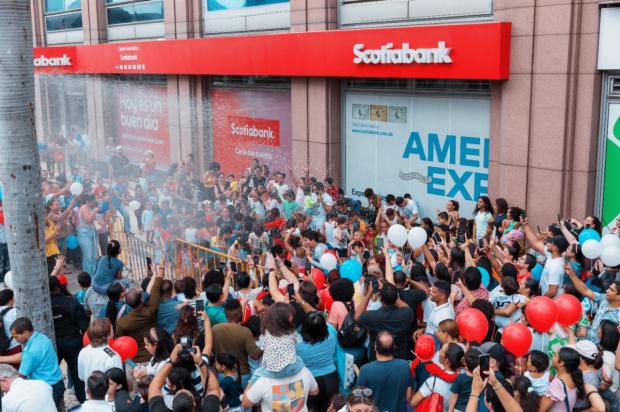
x=251, y=124
x=215, y=5
x=435, y=148
x=142, y=122
x=611, y=188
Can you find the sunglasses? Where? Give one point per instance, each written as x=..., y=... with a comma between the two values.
x=362, y=392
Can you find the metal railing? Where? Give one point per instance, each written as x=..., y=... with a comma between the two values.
x=185, y=259
x=193, y=260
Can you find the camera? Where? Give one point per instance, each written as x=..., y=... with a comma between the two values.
x=186, y=354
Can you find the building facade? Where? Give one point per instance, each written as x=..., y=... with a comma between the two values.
x=442, y=99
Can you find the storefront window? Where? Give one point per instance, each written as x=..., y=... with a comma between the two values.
x=134, y=12
x=215, y=5
x=436, y=85
x=63, y=15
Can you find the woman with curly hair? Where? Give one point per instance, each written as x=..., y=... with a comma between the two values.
x=187, y=325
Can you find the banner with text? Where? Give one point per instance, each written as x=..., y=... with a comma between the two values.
x=611, y=188
x=142, y=121
x=435, y=148
x=251, y=124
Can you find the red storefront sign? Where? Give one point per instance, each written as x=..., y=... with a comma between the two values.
x=463, y=51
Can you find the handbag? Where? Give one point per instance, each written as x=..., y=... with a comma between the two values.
x=432, y=403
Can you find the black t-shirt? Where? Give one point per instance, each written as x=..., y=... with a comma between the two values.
x=397, y=321
x=412, y=297
x=211, y=403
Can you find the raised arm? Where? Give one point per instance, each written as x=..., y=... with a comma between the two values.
x=579, y=285
x=389, y=270
x=531, y=237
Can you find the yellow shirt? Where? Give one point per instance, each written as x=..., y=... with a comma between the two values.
x=51, y=247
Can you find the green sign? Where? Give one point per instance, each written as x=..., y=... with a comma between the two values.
x=611, y=181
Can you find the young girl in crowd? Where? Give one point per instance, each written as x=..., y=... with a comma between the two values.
x=229, y=376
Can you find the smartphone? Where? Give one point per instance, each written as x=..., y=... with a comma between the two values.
x=149, y=261
x=375, y=284
x=290, y=288
x=483, y=362
x=256, y=260
x=366, y=255
x=233, y=266
x=200, y=306
x=436, y=237
x=380, y=244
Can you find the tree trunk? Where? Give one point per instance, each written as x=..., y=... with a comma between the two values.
x=20, y=172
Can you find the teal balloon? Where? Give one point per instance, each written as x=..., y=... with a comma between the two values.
x=486, y=278
x=72, y=242
x=103, y=206
x=351, y=269
x=587, y=234
x=537, y=271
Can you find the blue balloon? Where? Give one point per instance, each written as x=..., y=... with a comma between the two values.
x=42, y=146
x=103, y=206
x=72, y=242
x=351, y=269
x=486, y=278
x=537, y=272
x=587, y=234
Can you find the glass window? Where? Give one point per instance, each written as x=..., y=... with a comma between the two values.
x=55, y=6
x=70, y=21
x=120, y=15
x=149, y=11
x=215, y=5
x=135, y=13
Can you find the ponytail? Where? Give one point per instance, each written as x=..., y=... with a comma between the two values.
x=577, y=376
x=113, y=249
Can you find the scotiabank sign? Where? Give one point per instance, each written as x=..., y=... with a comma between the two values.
x=463, y=51
x=53, y=58
x=260, y=131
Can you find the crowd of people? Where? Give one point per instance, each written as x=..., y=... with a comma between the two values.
x=316, y=308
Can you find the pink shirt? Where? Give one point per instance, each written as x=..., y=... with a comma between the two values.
x=337, y=314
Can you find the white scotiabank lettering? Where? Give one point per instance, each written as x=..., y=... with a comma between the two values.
x=251, y=131
x=52, y=61
x=387, y=55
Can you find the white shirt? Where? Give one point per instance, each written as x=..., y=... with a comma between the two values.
x=437, y=385
x=500, y=301
x=101, y=358
x=329, y=233
x=281, y=188
x=408, y=210
x=609, y=362
x=283, y=394
x=482, y=221
x=552, y=274
x=7, y=320
x=541, y=384
x=28, y=396
x=439, y=314
x=95, y=406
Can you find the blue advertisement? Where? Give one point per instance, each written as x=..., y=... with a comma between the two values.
x=435, y=148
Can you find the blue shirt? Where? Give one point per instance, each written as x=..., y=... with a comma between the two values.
x=39, y=360
x=319, y=358
x=105, y=273
x=167, y=315
x=389, y=381
x=216, y=314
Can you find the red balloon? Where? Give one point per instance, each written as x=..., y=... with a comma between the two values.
x=425, y=347
x=517, y=339
x=473, y=325
x=541, y=313
x=327, y=299
x=569, y=309
x=318, y=278
x=125, y=346
x=85, y=340
x=332, y=252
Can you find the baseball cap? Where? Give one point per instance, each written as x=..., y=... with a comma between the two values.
x=495, y=350
x=585, y=348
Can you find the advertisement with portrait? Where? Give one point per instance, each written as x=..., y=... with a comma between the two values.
x=435, y=148
x=251, y=124
x=142, y=121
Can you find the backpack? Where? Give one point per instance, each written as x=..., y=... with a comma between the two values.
x=432, y=403
x=5, y=341
x=351, y=334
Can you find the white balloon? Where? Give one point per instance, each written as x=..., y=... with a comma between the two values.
x=610, y=240
x=8, y=279
x=591, y=249
x=76, y=188
x=417, y=237
x=49, y=197
x=610, y=256
x=397, y=235
x=328, y=261
x=134, y=204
